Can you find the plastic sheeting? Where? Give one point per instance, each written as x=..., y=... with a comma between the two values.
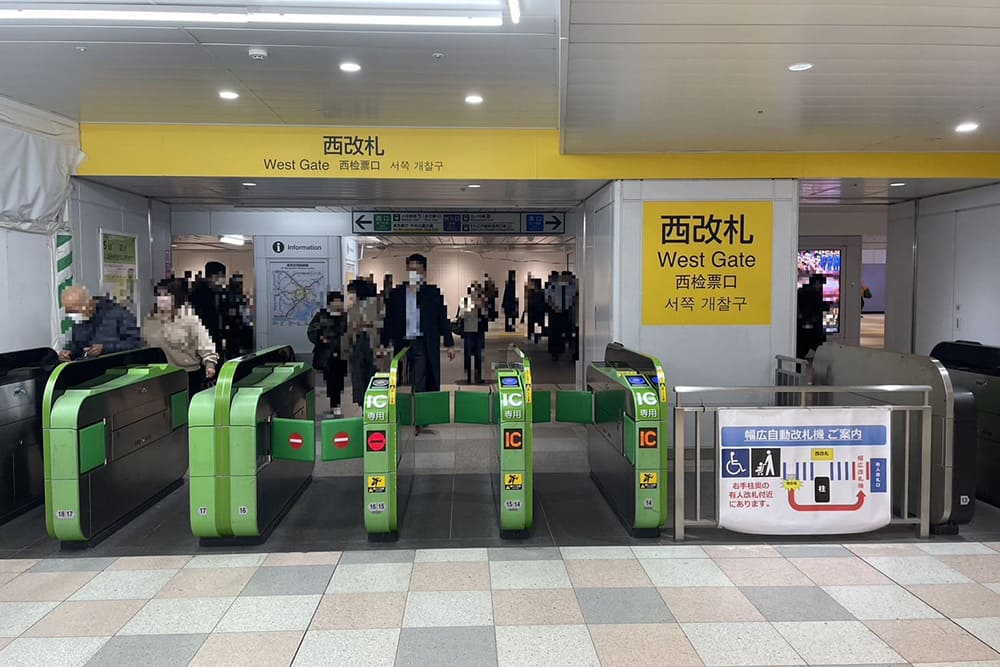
x=41, y=151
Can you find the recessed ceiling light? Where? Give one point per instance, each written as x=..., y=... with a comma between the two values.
x=800, y=67
x=514, y=7
x=350, y=67
x=968, y=126
x=474, y=185
x=229, y=95
x=896, y=185
x=232, y=239
x=480, y=19
x=249, y=184
x=473, y=99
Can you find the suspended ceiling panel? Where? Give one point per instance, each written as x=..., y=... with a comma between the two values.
x=880, y=191
x=172, y=74
x=712, y=75
x=357, y=193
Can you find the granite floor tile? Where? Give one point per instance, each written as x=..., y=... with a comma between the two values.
x=374, y=578
x=149, y=563
x=725, y=644
x=124, y=585
x=607, y=574
x=684, y=572
x=225, y=560
x=884, y=549
x=954, y=548
x=987, y=630
x=536, y=607
x=72, y=564
x=216, y=582
x=916, y=570
x=837, y=642
x=596, y=553
x=302, y=558
x=449, y=609
x=550, y=645
x=685, y=551
x=622, y=606
x=182, y=616
x=741, y=551
x=813, y=551
x=17, y=565
x=762, y=572
x=840, y=571
x=880, y=602
x=248, y=649
x=932, y=640
x=372, y=648
x=662, y=643
x=960, y=600
x=796, y=603
x=290, y=580
x=4, y=641
x=44, y=586
x=101, y=618
x=984, y=569
x=709, y=605
x=50, y=652
x=528, y=574
x=460, y=576
x=524, y=553
x=16, y=617
x=148, y=651
x=280, y=613
x=359, y=611
x=378, y=556
x=451, y=555
x=993, y=587
x=446, y=647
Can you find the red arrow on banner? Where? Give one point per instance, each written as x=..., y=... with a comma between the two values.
x=825, y=508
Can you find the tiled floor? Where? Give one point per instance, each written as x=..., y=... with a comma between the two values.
x=916, y=603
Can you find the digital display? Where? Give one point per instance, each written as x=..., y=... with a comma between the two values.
x=637, y=380
x=824, y=263
x=508, y=382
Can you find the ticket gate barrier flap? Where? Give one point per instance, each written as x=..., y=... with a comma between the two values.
x=23, y=375
x=112, y=446
x=473, y=407
x=541, y=407
x=431, y=407
x=574, y=406
x=342, y=439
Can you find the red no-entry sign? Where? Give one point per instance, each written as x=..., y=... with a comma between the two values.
x=341, y=440
x=376, y=441
x=295, y=441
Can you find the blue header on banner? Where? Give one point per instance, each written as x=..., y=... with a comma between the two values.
x=803, y=436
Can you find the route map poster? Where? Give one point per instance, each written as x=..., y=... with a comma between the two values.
x=804, y=471
x=298, y=290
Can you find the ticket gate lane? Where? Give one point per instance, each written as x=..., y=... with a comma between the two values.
x=514, y=488
x=114, y=438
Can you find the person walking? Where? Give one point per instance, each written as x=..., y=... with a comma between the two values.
x=174, y=327
x=325, y=332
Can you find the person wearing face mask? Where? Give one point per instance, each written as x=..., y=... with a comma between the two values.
x=100, y=325
x=207, y=299
x=174, y=327
x=416, y=317
x=326, y=331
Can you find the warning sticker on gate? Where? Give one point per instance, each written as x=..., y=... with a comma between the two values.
x=804, y=471
x=376, y=484
x=376, y=441
x=648, y=480
x=513, y=481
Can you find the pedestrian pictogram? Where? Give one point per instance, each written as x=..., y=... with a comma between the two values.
x=648, y=480
x=376, y=484
x=341, y=440
x=513, y=481
x=295, y=441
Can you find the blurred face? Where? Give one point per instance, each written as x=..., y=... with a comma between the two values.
x=164, y=301
x=77, y=303
x=336, y=305
x=416, y=274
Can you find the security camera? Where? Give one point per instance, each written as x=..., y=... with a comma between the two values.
x=257, y=53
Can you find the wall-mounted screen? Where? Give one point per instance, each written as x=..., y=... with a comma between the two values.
x=825, y=263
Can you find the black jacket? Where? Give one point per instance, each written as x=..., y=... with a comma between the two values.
x=111, y=325
x=434, y=326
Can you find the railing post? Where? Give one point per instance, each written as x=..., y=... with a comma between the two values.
x=925, y=470
x=678, y=471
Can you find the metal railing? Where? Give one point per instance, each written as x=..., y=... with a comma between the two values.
x=792, y=372
x=920, y=413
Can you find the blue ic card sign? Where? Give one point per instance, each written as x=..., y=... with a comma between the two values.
x=804, y=471
x=637, y=380
x=508, y=382
x=534, y=222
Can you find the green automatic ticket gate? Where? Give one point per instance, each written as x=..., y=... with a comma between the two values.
x=391, y=414
x=253, y=445
x=114, y=441
x=625, y=409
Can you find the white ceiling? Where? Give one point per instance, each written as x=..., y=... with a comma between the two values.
x=880, y=191
x=357, y=193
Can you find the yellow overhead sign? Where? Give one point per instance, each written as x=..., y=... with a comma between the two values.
x=243, y=151
x=706, y=262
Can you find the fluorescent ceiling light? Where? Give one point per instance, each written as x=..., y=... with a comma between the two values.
x=968, y=126
x=800, y=67
x=896, y=185
x=350, y=67
x=482, y=19
x=232, y=240
x=474, y=185
x=514, y=7
x=473, y=99
x=249, y=184
x=229, y=95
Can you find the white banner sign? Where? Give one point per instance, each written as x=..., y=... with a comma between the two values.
x=804, y=471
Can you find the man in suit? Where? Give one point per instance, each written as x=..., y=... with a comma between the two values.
x=416, y=316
